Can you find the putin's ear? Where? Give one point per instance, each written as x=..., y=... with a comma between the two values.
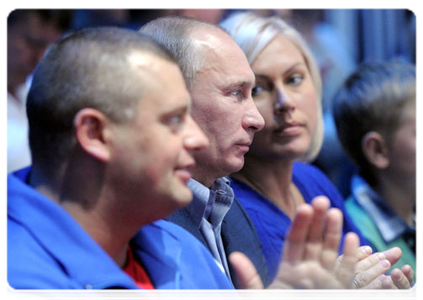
x=375, y=149
x=90, y=126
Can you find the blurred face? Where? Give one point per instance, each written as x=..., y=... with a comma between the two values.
x=223, y=106
x=286, y=98
x=26, y=44
x=402, y=148
x=153, y=153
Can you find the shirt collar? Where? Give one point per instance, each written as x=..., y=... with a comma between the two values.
x=390, y=225
x=205, y=199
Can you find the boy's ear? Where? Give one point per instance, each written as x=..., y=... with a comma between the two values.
x=90, y=126
x=375, y=149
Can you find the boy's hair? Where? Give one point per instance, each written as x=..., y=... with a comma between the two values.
x=372, y=99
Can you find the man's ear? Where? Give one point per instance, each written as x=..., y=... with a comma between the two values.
x=375, y=149
x=90, y=126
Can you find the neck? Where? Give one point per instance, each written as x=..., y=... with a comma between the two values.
x=206, y=178
x=90, y=205
x=273, y=180
x=400, y=197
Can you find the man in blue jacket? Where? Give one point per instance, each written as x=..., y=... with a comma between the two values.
x=112, y=142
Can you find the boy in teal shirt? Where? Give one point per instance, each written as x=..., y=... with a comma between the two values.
x=376, y=122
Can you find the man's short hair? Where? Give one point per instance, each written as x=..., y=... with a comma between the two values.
x=86, y=68
x=173, y=32
x=372, y=99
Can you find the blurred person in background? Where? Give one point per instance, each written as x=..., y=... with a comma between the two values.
x=29, y=33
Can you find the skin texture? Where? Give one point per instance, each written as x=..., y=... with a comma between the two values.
x=222, y=105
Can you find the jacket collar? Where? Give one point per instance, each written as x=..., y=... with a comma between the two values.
x=75, y=250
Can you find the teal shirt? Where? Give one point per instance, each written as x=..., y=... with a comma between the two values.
x=378, y=223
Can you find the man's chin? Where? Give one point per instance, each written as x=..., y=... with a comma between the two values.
x=184, y=197
x=236, y=165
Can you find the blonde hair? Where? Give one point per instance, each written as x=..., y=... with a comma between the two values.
x=253, y=33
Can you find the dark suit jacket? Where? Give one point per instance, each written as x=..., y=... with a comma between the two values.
x=238, y=234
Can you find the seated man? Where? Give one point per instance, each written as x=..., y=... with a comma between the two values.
x=220, y=81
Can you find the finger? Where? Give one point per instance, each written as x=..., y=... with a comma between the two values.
x=295, y=241
x=332, y=239
x=246, y=273
x=371, y=290
x=409, y=273
x=315, y=234
x=400, y=279
x=393, y=255
x=370, y=261
x=363, y=252
x=346, y=270
x=389, y=288
x=365, y=278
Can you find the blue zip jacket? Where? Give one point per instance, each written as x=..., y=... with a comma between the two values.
x=49, y=254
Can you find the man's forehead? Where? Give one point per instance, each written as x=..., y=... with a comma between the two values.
x=209, y=39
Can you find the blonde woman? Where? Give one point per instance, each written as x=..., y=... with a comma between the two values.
x=276, y=177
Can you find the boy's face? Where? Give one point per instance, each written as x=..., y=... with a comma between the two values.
x=402, y=147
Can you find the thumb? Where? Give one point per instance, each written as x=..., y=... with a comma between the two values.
x=247, y=276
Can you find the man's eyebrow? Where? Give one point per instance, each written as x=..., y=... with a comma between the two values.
x=240, y=84
x=184, y=108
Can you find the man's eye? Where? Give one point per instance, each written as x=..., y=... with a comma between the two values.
x=235, y=93
x=175, y=120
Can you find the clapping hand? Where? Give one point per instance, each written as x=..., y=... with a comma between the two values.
x=310, y=252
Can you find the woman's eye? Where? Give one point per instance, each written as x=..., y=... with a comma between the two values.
x=257, y=90
x=295, y=79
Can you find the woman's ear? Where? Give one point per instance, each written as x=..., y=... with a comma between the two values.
x=375, y=149
x=90, y=126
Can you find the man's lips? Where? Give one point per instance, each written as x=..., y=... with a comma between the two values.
x=244, y=146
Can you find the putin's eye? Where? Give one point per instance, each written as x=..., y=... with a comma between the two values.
x=236, y=93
